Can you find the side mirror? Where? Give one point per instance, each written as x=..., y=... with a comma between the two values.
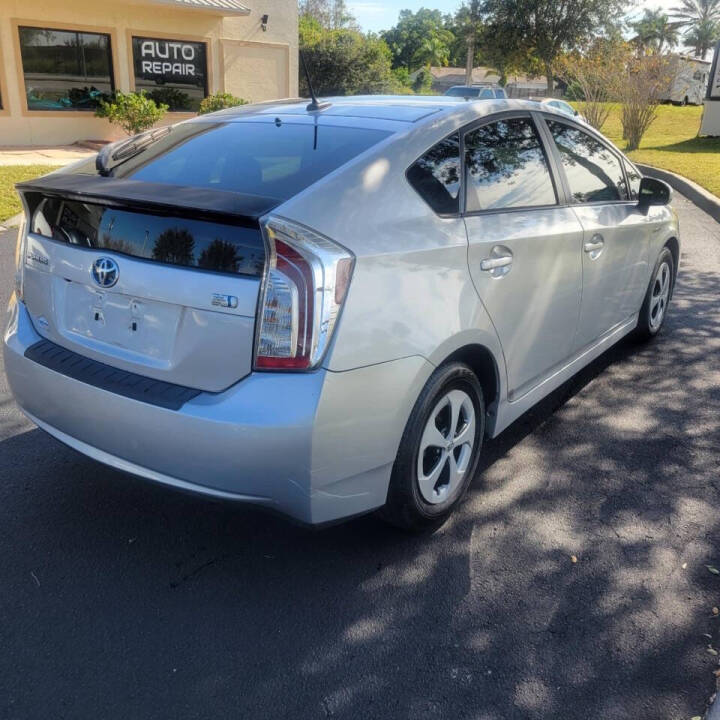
x=575, y=113
x=654, y=192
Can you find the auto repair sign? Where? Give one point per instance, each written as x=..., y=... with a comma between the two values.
x=169, y=59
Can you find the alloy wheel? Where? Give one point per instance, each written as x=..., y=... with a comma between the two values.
x=446, y=446
x=659, y=296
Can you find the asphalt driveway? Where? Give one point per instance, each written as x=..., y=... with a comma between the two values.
x=119, y=599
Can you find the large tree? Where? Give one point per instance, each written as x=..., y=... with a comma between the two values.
x=419, y=38
x=343, y=61
x=545, y=28
x=655, y=32
x=332, y=14
x=701, y=21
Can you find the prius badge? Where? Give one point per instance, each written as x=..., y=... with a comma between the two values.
x=105, y=272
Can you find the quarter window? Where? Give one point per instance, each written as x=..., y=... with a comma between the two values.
x=436, y=176
x=506, y=167
x=64, y=69
x=592, y=169
x=173, y=72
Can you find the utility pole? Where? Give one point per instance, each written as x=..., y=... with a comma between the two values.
x=473, y=23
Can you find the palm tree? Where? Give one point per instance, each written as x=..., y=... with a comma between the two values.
x=703, y=37
x=701, y=21
x=433, y=51
x=655, y=31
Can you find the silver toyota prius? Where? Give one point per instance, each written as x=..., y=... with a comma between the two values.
x=325, y=311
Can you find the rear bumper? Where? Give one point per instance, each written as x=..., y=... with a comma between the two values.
x=316, y=446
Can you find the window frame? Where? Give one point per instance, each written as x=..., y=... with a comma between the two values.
x=621, y=159
x=625, y=162
x=552, y=154
x=38, y=24
x=560, y=195
x=209, y=59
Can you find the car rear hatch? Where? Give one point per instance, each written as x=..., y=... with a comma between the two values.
x=150, y=257
x=158, y=280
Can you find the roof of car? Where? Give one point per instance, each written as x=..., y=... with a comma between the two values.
x=367, y=110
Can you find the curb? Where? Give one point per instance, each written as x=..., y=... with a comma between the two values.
x=11, y=222
x=692, y=191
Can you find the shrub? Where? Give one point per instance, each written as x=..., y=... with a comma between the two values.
x=401, y=84
x=172, y=97
x=646, y=81
x=594, y=76
x=219, y=101
x=423, y=82
x=133, y=112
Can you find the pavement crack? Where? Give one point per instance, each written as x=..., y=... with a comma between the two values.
x=197, y=571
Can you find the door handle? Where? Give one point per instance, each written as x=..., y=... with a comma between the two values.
x=594, y=246
x=494, y=263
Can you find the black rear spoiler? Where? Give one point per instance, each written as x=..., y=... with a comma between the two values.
x=243, y=208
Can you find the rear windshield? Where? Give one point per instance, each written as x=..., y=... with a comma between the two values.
x=271, y=158
x=169, y=239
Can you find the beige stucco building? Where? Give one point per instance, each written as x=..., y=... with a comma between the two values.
x=59, y=57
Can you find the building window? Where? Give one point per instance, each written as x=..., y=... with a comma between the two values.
x=173, y=72
x=64, y=69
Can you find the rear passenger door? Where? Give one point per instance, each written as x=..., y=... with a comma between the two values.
x=615, y=233
x=524, y=246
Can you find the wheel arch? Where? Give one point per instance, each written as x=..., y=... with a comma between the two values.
x=673, y=245
x=481, y=359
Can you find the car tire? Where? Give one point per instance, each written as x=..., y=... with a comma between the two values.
x=439, y=451
x=657, y=298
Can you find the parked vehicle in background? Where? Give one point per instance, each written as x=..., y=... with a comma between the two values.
x=481, y=92
x=325, y=312
x=688, y=80
x=560, y=105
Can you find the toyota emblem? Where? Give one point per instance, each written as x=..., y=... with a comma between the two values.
x=105, y=272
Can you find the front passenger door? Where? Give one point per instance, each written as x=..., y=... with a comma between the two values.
x=523, y=247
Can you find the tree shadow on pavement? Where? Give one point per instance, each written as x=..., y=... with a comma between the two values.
x=126, y=600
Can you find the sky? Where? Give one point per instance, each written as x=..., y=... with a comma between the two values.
x=379, y=15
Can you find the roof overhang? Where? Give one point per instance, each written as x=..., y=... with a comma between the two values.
x=215, y=7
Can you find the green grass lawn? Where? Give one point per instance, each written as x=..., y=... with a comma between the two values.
x=11, y=174
x=671, y=143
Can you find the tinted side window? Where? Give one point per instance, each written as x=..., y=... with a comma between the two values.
x=487, y=95
x=634, y=178
x=500, y=94
x=436, y=176
x=592, y=170
x=506, y=167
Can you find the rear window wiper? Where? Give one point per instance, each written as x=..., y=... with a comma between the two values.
x=116, y=154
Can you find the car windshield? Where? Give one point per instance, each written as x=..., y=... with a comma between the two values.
x=463, y=92
x=270, y=158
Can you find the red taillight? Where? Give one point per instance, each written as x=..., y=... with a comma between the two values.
x=305, y=284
